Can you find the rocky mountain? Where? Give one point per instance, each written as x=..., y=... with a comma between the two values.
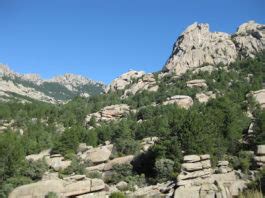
x=56, y=90
x=193, y=129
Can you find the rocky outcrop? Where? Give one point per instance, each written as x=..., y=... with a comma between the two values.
x=109, y=113
x=147, y=82
x=197, y=179
x=56, y=161
x=197, y=83
x=180, y=100
x=195, y=170
x=204, y=97
x=208, y=68
x=125, y=79
x=197, y=46
x=223, y=167
x=259, y=97
x=260, y=157
x=250, y=39
x=153, y=191
x=61, y=187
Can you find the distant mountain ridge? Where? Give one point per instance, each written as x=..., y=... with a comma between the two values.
x=59, y=89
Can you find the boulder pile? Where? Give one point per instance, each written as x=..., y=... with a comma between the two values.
x=195, y=170
x=198, y=180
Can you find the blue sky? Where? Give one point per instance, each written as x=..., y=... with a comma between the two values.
x=102, y=39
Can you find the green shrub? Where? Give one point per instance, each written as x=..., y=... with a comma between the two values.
x=117, y=195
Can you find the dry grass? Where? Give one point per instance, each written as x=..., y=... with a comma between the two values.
x=251, y=194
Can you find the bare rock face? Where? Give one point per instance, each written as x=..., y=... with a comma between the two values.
x=197, y=46
x=180, y=100
x=205, y=96
x=250, y=39
x=110, y=113
x=60, y=187
x=259, y=96
x=197, y=83
x=197, y=179
x=97, y=155
x=124, y=80
x=147, y=82
x=260, y=157
x=118, y=161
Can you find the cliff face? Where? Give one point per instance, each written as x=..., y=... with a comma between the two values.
x=197, y=46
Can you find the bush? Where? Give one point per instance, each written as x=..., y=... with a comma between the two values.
x=164, y=170
x=117, y=195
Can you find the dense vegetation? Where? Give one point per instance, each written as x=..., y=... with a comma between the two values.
x=217, y=128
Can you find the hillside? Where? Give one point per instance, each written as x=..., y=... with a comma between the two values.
x=193, y=129
x=25, y=87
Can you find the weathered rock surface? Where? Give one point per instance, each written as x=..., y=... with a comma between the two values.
x=197, y=179
x=96, y=155
x=260, y=157
x=250, y=38
x=118, y=161
x=147, y=82
x=197, y=83
x=109, y=113
x=259, y=96
x=60, y=187
x=38, y=189
x=197, y=46
x=124, y=80
x=56, y=162
x=180, y=100
x=204, y=97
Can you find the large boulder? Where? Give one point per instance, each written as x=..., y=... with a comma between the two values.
x=97, y=155
x=57, y=162
x=180, y=100
x=118, y=161
x=38, y=189
x=60, y=187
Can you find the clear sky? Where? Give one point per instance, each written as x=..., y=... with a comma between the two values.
x=102, y=39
